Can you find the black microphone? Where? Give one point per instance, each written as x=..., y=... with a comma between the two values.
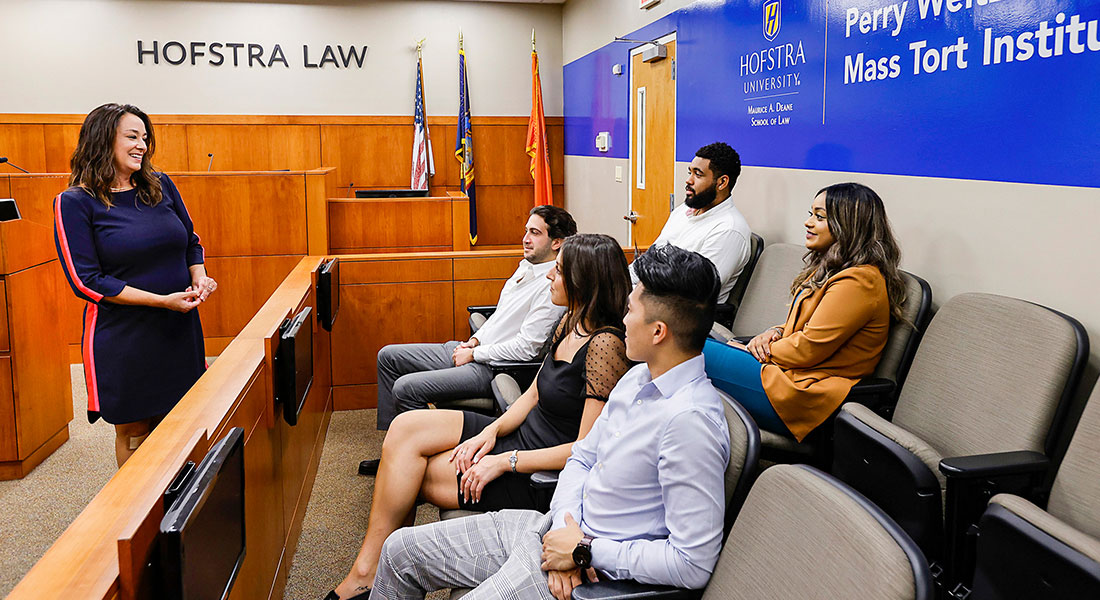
x=4, y=159
x=211, y=163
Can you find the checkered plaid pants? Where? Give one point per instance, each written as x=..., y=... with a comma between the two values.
x=496, y=553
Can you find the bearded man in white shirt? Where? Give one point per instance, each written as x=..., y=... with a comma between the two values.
x=412, y=375
x=708, y=222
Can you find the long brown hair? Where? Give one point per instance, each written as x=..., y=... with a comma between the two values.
x=93, y=161
x=857, y=220
x=597, y=282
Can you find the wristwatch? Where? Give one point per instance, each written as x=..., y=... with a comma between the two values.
x=582, y=554
x=513, y=459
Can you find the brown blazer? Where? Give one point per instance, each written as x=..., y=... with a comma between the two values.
x=833, y=337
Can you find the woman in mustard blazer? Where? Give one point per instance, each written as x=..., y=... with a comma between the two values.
x=793, y=376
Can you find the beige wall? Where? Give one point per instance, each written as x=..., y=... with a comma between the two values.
x=70, y=56
x=589, y=24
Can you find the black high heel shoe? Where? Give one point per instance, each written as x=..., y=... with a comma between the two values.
x=362, y=596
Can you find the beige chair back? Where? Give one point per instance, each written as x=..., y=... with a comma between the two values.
x=802, y=534
x=918, y=300
x=767, y=296
x=989, y=376
x=1075, y=497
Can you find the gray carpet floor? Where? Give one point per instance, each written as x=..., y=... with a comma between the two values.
x=35, y=510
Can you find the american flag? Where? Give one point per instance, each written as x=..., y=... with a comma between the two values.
x=422, y=164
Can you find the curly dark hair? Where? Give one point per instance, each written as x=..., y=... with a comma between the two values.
x=723, y=160
x=559, y=223
x=93, y=162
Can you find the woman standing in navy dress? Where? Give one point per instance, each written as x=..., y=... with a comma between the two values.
x=128, y=248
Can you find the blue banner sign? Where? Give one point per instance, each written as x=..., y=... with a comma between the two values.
x=997, y=90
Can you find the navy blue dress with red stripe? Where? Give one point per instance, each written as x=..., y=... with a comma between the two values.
x=138, y=360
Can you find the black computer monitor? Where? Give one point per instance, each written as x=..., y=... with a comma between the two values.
x=294, y=364
x=9, y=211
x=392, y=193
x=202, y=536
x=328, y=293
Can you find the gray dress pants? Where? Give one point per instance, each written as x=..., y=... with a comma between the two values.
x=412, y=375
x=498, y=554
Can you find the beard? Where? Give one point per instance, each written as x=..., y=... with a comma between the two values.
x=703, y=198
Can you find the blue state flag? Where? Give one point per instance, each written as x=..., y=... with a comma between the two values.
x=464, y=143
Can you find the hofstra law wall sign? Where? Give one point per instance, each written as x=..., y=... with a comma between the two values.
x=995, y=90
x=248, y=55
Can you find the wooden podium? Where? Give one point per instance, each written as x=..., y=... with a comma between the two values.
x=35, y=399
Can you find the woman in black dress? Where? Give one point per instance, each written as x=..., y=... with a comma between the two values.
x=129, y=249
x=459, y=459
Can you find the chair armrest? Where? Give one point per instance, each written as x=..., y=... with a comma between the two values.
x=523, y=372
x=544, y=479
x=971, y=482
x=875, y=393
x=486, y=310
x=1000, y=464
x=630, y=590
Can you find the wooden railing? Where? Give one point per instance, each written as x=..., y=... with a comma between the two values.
x=280, y=464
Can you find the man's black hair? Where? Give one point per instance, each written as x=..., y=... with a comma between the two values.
x=682, y=290
x=559, y=223
x=723, y=160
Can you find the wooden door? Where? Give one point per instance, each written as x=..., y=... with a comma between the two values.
x=652, y=145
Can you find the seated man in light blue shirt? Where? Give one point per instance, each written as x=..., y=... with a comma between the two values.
x=641, y=496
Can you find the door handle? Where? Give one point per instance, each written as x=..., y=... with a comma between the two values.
x=632, y=217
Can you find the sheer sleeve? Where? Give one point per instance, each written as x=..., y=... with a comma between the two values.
x=604, y=364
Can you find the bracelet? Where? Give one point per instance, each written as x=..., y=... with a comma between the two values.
x=513, y=459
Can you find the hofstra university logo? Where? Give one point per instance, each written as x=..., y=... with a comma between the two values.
x=772, y=19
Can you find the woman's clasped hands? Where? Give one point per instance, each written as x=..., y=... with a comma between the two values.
x=477, y=467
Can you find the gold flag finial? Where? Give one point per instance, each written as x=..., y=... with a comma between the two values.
x=420, y=47
x=459, y=39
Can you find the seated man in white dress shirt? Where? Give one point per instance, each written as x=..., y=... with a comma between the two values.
x=412, y=375
x=641, y=496
x=708, y=222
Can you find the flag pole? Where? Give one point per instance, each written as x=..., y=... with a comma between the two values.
x=532, y=39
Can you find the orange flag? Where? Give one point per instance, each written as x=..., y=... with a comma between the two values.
x=536, y=137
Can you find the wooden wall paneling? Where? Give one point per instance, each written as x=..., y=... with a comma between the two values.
x=318, y=184
x=393, y=271
x=24, y=145
x=503, y=158
x=172, y=151
x=5, y=186
x=502, y=212
x=247, y=215
x=443, y=152
x=244, y=284
x=363, y=225
x=60, y=142
x=253, y=147
x=29, y=241
x=39, y=365
x=485, y=267
x=473, y=293
x=372, y=316
x=8, y=437
x=355, y=397
x=4, y=345
x=370, y=155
